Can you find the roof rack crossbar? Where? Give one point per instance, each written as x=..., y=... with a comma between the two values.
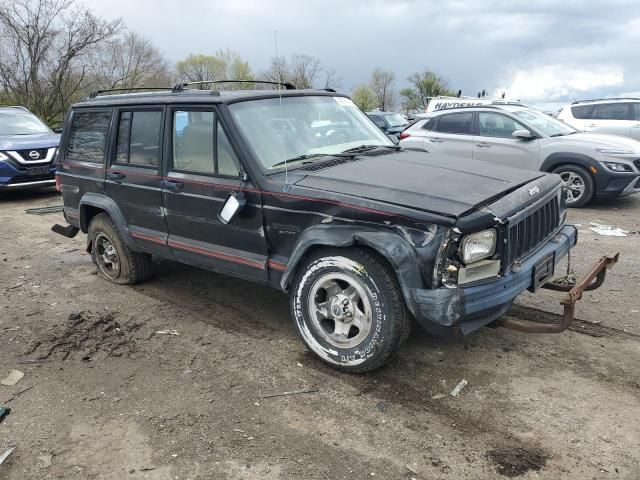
x=95, y=93
x=604, y=99
x=15, y=106
x=179, y=87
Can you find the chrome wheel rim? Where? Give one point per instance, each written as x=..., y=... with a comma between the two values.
x=107, y=256
x=574, y=186
x=340, y=310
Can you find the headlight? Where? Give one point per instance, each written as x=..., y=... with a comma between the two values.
x=618, y=167
x=477, y=246
x=615, y=151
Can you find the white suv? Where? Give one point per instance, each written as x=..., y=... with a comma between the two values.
x=619, y=116
x=591, y=164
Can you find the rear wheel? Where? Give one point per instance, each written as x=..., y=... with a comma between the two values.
x=115, y=260
x=349, y=310
x=579, y=185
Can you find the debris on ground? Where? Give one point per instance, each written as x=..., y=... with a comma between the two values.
x=437, y=396
x=16, y=395
x=4, y=455
x=294, y=392
x=456, y=391
x=87, y=335
x=45, y=210
x=14, y=377
x=515, y=461
x=4, y=411
x=382, y=407
x=568, y=279
x=167, y=332
x=607, y=230
x=46, y=460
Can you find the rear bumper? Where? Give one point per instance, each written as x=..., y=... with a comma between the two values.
x=462, y=310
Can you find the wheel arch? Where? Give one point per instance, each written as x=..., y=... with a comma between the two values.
x=569, y=158
x=92, y=204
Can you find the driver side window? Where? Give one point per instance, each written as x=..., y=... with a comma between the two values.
x=497, y=125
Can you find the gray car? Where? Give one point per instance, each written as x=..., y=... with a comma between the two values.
x=592, y=165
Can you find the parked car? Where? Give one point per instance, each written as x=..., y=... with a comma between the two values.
x=618, y=116
x=27, y=150
x=591, y=165
x=389, y=122
x=363, y=236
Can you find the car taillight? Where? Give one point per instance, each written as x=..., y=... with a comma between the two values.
x=58, y=183
x=404, y=135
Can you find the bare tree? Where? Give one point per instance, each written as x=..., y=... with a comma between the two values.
x=46, y=45
x=381, y=84
x=303, y=71
x=130, y=61
x=331, y=79
x=224, y=65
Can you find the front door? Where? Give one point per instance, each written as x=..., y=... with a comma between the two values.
x=495, y=142
x=452, y=136
x=134, y=180
x=613, y=118
x=202, y=170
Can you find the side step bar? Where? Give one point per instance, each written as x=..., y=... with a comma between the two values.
x=592, y=280
x=69, y=231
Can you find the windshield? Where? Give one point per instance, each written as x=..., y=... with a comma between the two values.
x=21, y=124
x=546, y=124
x=302, y=128
x=395, y=120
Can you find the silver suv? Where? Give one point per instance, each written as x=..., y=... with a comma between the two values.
x=619, y=116
x=590, y=164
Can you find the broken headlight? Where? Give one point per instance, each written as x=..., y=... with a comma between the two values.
x=477, y=246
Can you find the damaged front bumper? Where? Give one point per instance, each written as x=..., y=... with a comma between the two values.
x=462, y=310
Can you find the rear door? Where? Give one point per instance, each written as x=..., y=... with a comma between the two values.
x=495, y=143
x=202, y=169
x=614, y=118
x=134, y=179
x=451, y=135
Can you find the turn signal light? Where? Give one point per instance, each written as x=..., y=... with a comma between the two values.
x=404, y=135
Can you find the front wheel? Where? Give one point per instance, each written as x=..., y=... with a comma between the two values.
x=348, y=308
x=579, y=185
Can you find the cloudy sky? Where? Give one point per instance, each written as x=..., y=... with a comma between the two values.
x=540, y=51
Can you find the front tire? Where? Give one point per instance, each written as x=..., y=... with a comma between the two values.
x=348, y=308
x=115, y=260
x=579, y=184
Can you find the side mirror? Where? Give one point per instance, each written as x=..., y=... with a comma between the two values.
x=57, y=130
x=522, y=134
x=234, y=203
x=394, y=139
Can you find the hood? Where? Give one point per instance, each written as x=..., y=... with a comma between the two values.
x=598, y=140
x=419, y=180
x=24, y=142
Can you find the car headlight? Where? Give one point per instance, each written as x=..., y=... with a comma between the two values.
x=618, y=167
x=477, y=246
x=615, y=151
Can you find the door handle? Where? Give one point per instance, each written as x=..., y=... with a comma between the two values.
x=116, y=176
x=483, y=145
x=593, y=125
x=173, y=186
x=435, y=140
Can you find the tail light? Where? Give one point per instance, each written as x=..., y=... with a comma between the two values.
x=58, y=183
x=404, y=135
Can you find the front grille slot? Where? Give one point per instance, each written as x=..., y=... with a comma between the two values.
x=527, y=233
x=25, y=154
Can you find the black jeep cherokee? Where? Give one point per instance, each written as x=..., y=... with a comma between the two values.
x=300, y=190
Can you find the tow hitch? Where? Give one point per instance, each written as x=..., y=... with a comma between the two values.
x=592, y=280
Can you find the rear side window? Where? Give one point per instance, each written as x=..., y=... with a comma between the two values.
x=583, y=112
x=456, y=123
x=139, y=138
x=88, y=136
x=612, y=111
x=430, y=124
x=636, y=111
x=378, y=121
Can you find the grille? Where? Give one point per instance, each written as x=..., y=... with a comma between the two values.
x=42, y=154
x=526, y=233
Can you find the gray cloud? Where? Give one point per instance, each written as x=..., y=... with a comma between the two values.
x=540, y=51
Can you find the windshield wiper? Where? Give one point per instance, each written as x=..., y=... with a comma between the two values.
x=366, y=148
x=309, y=156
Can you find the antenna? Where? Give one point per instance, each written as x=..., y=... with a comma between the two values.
x=287, y=186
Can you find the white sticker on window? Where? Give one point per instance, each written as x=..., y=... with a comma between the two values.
x=345, y=102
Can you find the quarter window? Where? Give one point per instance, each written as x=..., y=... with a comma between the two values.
x=636, y=111
x=200, y=145
x=139, y=138
x=583, y=112
x=456, y=123
x=88, y=136
x=496, y=125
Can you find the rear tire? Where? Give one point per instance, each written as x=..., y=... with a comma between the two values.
x=349, y=310
x=579, y=183
x=115, y=260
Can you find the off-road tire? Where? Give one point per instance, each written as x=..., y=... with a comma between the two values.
x=390, y=320
x=134, y=267
x=587, y=179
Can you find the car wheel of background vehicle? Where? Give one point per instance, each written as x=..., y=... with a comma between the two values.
x=578, y=183
x=115, y=260
x=348, y=308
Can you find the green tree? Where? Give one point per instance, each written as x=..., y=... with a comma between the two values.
x=410, y=100
x=223, y=65
x=428, y=84
x=364, y=98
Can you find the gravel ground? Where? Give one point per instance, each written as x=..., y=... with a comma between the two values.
x=105, y=396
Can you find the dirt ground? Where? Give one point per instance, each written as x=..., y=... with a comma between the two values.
x=110, y=398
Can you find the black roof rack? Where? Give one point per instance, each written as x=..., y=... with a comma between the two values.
x=604, y=99
x=179, y=87
x=95, y=93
